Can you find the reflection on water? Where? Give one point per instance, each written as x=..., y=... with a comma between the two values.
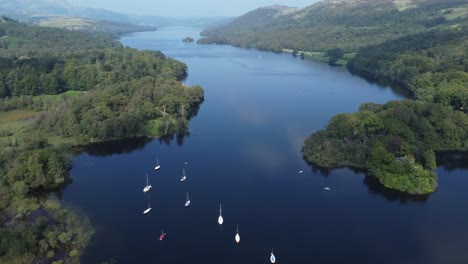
x=376, y=188
x=108, y=148
x=452, y=160
x=385, y=82
x=167, y=139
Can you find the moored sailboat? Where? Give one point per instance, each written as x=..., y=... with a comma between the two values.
x=161, y=237
x=148, y=186
x=237, y=237
x=157, y=164
x=272, y=257
x=220, y=218
x=187, y=201
x=184, y=177
x=147, y=210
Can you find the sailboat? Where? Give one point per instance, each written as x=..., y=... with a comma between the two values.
x=148, y=186
x=157, y=165
x=187, y=202
x=237, y=237
x=327, y=188
x=272, y=257
x=147, y=210
x=161, y=237
x=184, y=177
x=220, y=218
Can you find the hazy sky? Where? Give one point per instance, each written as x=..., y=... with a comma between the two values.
x=184, y=8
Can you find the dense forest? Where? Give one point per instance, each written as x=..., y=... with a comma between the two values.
x=433, y=65
x=60, y=88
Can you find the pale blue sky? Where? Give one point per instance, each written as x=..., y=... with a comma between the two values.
x=186, y=8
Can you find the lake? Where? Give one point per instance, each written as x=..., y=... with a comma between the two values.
x=243, y=151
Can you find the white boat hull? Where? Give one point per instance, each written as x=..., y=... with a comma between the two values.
x=237, y=238
x=220, y=220
x=183, y=179
x=147, y=211
x=157, y=167
x=272, y=258
x=187, y=203
x=147, y=188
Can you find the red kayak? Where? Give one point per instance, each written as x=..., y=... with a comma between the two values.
x=161, y=237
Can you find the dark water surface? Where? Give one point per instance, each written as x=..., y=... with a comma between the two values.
x=244, y=151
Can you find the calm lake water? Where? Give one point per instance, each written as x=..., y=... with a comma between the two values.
x=244, y=151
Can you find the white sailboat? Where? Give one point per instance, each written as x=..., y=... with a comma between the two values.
x=220, y=218
x=147, y=210
x=184, y=177
x=148, y=186
x=237, y=237
x=187, y=202
x=327, y=188
x=157, y=164
x=272, y=257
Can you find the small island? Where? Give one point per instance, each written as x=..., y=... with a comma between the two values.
x=187, y=39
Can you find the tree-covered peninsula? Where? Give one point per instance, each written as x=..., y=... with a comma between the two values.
x=61, y=88
x=396, y=142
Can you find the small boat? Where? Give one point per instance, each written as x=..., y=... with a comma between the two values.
x=272, y=257
x=184, y=177
x=187, y=202
x=327, y=188
x=147, y=210
x=148, y=186
x=237, y=237
x=301, y=171
x=220, y=218
x=161, y=237
x=157, y=165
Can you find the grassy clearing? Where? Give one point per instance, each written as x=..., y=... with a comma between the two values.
x=349, y=56
x=454, y=13
x=57, y=97
x=12, y=127
x=14, y=121
x=402, y=5
x=16, y=115
x=62, y=141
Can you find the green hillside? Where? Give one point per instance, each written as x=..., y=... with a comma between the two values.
x=347, y=25
x=75, y=23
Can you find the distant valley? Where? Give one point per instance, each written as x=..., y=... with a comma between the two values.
x=59, y=13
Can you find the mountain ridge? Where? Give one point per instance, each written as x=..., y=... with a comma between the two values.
x=338, y=24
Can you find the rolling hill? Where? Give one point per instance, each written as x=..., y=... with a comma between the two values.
x=28, y=9
x=345, y=24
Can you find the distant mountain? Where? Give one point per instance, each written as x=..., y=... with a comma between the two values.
x=36, y=11
x=35, y=6
x=161, y=21
x=28, y=9
x=345, y=24
x=110, y=27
